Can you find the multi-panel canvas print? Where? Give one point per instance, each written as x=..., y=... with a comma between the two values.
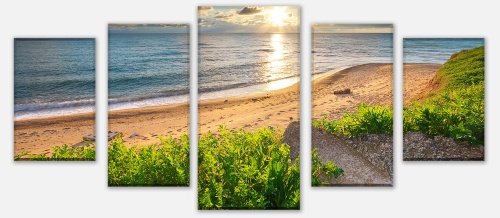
x=248, y=111
x=352, y=101
x=148, y=83
x=443, y=99
x=54, y=92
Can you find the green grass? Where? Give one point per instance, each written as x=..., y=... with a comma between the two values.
x=164, y=164
x=62, y=153
x=456, y=110
x=368, y=119
x=245, y=170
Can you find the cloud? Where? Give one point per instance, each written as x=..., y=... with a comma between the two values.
x=249, y=19
x=224, y=16
x=205, y=8
x=250, y=10
x=228, y=16
x=203, y=23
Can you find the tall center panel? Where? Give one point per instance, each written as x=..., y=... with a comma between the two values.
x=249, y=100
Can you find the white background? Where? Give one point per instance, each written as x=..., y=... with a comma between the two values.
x=421, y=189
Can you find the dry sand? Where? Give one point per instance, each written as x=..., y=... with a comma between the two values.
x=418, y=80
x=369, y=83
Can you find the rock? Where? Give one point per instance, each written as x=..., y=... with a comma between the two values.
x=113, y=135
x=419, y=147
x=89, y=137
x=291, y=136
x=366, y=160
x=133, y=135
x=92, y=137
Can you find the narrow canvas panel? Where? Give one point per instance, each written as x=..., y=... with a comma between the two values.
x=352, y=101
x=148, y=82
x=443, y=117
x=248, y=92
x=54, y=98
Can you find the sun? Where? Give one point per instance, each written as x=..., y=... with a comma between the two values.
x=278, y=16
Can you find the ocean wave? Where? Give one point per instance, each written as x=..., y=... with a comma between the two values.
x=53, y=106
x=165, y=94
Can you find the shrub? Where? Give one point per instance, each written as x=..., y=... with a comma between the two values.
x=164, y=164
x=369, y=119
x=63, y=153
x=245, y=170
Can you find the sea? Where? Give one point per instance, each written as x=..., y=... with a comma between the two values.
x=53, y=77
x=338, y=51
x=231, y=64
x=147, y=69
x=436, y=50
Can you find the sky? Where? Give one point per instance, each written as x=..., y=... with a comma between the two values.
x=249, y=19
x=148, y=28
x=352, y=28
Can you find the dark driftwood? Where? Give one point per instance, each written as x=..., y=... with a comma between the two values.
x=345, y=91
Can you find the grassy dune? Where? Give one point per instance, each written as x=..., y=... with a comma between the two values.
x=453, y=108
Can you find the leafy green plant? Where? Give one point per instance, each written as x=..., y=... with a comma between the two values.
x=368, y=119
x=164, y=164
x=246, y=170
x=457, y=109
x=318, y=168
x=64, y=153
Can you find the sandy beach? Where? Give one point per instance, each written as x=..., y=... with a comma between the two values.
x=142, y=126
x=369, y=83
